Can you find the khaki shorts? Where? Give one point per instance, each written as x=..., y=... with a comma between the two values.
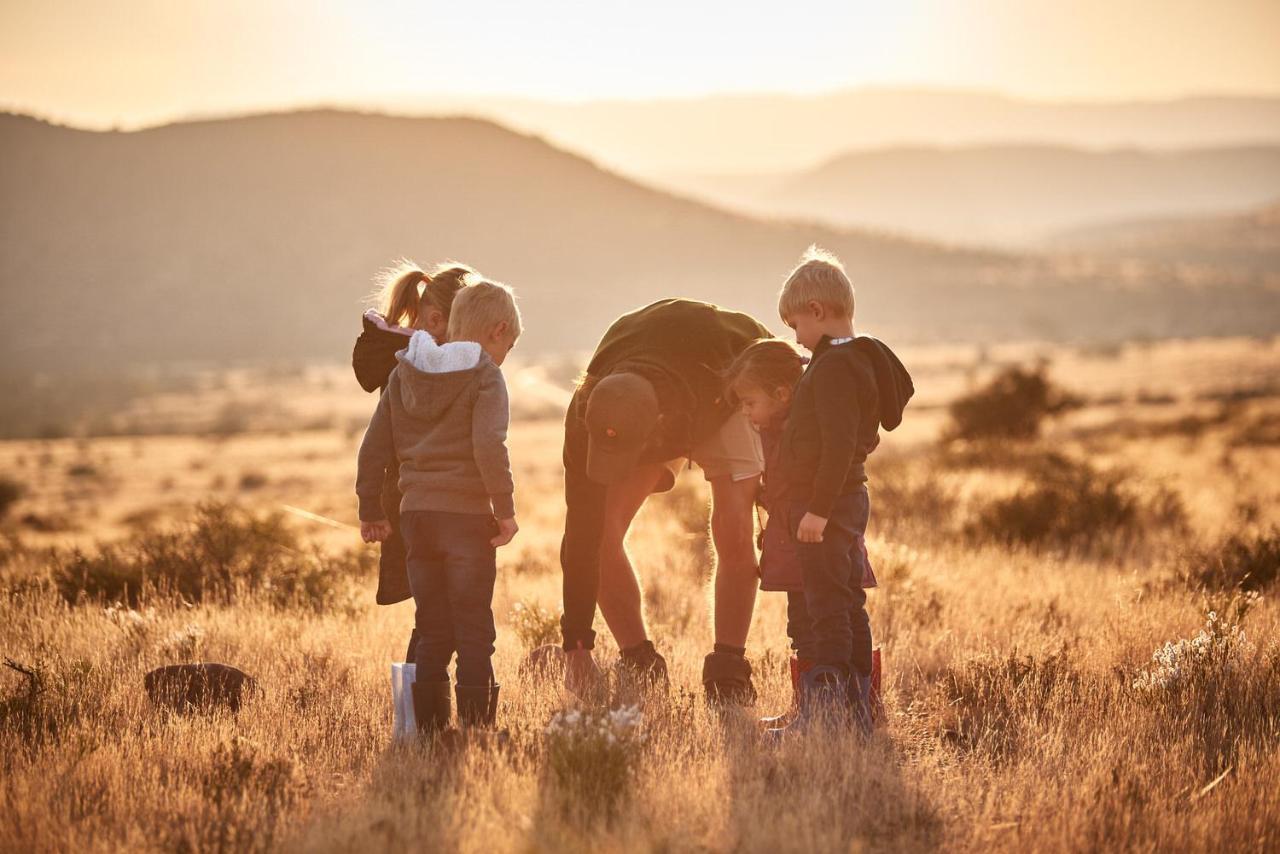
x=734, y=451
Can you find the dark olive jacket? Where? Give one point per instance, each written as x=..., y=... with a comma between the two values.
x=373, y=360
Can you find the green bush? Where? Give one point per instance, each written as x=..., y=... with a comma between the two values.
x=1012, y=406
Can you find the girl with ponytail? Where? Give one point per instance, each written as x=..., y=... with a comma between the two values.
x=407, y=298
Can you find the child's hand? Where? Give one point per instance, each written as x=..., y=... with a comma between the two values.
x=811, y=528
x=375, y=532
x=507, y=529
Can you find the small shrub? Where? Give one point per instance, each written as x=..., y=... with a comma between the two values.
x=591, y=757
x=11, y=491
x=1220, y=646
x=1012, y=406
x=1066, y=503
x=909, y=497
x=222, y=553
x=252, y=480
x=184, y=643
x=535, y=625
x=1241, y=561
x=1262, y=431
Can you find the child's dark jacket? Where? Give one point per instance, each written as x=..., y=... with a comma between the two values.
x=846, y=394
x=373, y=359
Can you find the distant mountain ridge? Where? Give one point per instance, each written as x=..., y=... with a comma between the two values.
x=1010, y=194
x=257, y=238
x=776, y=133
x=1248, y=241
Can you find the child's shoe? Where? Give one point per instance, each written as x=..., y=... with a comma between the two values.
x=823, y=700
x=860, y=704
x=798, y=667
x=477, y=705
x=431, y=708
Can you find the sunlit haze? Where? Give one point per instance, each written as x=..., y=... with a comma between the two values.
x=139, y=61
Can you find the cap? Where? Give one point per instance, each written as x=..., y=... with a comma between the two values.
x=622, y=414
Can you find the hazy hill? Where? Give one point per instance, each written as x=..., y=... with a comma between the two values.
x=1012, y=194
x=253, y=238
x=784, y=133
x=1244, y=241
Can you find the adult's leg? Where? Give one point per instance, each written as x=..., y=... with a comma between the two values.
x=737, y=570
x=620, y=599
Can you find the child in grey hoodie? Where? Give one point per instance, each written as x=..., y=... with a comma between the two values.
x=444, y=417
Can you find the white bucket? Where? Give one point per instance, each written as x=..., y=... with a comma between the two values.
x=403, y=724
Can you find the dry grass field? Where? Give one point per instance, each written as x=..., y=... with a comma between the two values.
x=1026, y=585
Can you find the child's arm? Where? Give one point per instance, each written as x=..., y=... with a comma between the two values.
x=376, y=453
x=489, y=423
x=835, y=397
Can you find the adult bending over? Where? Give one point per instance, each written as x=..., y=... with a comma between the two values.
x=651, y=398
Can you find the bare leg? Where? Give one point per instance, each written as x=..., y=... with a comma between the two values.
x=737, y=569
x=620, y=600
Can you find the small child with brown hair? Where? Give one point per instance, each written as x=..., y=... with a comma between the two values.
x=852, y=386
x=408, y=298
x=762, y=381
x=444, y=417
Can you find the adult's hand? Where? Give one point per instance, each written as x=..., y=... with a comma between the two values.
x=581, y=674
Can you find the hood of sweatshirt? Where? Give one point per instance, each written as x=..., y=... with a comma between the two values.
x=433, y=376
x=893, y=383
x=374, y=356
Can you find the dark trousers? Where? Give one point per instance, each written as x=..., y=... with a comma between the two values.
x=828, y=621
x=452, y=568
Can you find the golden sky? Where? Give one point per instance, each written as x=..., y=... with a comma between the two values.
x=138, y=61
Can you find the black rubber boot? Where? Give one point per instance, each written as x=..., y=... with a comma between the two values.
x=431, y=706
x=477, y=705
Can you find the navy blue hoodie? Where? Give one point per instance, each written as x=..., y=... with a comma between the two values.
x=846, y=394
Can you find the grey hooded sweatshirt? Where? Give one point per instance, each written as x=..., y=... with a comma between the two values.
x=444, y=415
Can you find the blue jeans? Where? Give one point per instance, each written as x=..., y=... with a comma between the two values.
x=452, y=569
x=828, y=621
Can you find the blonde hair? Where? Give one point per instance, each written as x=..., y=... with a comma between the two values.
x=404, y=291
x=479, y=307
x=819, y=277
x=768, y=364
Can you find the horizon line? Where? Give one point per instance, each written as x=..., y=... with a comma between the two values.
x=464, y=105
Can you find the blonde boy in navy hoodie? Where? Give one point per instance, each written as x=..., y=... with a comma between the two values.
x=853, y=386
